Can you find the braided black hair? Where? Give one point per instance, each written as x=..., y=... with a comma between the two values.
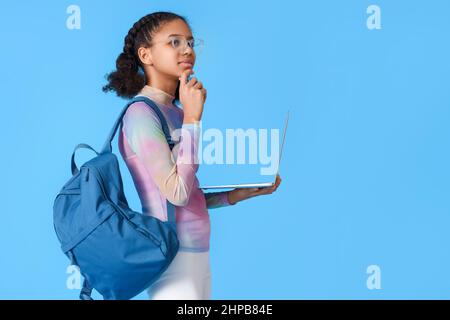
x=129, y=78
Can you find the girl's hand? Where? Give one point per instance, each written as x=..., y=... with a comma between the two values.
x=192, y=97
x=240, y=194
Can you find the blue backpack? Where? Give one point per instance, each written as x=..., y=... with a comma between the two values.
x=119, y=252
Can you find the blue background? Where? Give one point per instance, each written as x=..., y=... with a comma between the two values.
x=365, y=167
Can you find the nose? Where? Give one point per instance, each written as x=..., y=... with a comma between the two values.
x=187, y=49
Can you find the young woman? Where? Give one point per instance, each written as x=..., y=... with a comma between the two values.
x=158, y=56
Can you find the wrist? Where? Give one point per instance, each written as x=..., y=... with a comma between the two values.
x=232, y=197
x=188, y=120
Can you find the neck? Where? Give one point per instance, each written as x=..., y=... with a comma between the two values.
x=167, y=84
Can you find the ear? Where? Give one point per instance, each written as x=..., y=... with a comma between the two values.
x=145, y=56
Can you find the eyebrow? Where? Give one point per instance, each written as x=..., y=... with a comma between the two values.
x=175, y=34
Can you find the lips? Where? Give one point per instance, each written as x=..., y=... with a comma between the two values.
x=188, y=63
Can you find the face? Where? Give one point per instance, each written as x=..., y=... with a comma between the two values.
x=171, y=52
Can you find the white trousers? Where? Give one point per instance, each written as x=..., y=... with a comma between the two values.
x=188, y=277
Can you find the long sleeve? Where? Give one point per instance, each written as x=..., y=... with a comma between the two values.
x=143, y=131
x=217, y=199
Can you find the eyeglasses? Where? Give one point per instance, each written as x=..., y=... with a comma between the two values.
x=181, y=43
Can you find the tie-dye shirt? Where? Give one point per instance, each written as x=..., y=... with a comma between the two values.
x=159, y=173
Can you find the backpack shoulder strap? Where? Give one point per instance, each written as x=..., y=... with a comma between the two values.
x=151, y=104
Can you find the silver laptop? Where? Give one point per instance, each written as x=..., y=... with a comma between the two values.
x=260, y=184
